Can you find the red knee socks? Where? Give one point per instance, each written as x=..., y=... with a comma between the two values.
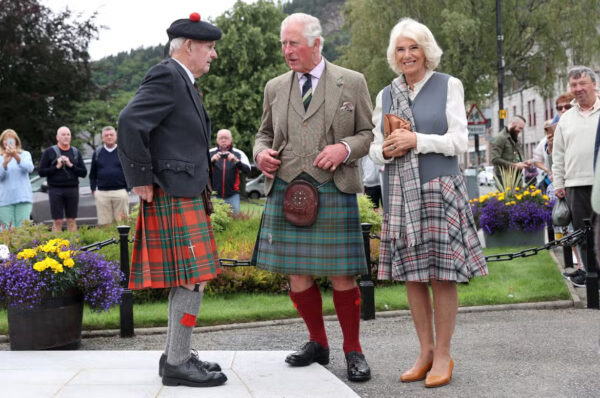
x=347, y=307
x=310, y=307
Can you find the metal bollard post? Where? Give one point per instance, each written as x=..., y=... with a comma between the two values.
x=366, y=285
x=126, y=309
x=591, y=279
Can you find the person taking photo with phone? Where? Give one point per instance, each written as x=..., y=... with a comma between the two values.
x=15, y=189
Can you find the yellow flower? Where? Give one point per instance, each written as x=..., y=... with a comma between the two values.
x=518, y=196
x=545, y=203
x=26, y=254
x=532, y=187
x=69, y=263
x=526, y=193
x=501, y=196
x=47, y=248
x=507, y=189
x=545, y=197
x=513, y=203
x=64, y=255
x=507, y=204
x=517, y=189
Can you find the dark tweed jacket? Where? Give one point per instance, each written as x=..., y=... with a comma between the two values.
x=164, y=134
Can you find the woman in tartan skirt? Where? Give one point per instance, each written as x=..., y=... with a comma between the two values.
x=428, y=235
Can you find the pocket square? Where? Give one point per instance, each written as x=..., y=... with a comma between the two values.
x=347, y=106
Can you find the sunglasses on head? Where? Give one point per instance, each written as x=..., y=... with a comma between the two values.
x=565, y=107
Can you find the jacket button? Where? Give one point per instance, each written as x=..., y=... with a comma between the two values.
x=143, y=169
x=168, y=165
x=305, y=124
x=132, y=165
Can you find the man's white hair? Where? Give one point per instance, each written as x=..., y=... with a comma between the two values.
x=312, y=27
x=175, y=44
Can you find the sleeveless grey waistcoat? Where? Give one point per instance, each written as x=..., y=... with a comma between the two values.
x=429, y=112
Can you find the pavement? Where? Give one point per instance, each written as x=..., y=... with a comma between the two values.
x=549, y=349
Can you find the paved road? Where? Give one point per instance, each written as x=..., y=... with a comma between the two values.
x=508, y=353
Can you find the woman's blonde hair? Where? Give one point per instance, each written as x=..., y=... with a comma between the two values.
x=10, y=133
x=408, y=28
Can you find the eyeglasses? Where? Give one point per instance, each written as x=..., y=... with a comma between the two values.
x=565, y=107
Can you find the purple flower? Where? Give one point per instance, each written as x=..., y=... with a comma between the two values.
x=97, y=278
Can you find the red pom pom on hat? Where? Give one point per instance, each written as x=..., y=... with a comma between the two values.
x=194, y=17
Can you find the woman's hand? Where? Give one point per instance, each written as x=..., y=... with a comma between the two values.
x=399, y=143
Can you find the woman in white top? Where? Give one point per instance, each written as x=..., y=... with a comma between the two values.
x=428, y=234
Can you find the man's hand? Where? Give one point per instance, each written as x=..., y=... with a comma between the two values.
x=267, y=162
x=560, y=193
x=231, y=157
x=331, y=156
x=520, y=165
x=67, y=161
x=145, y=192
x=59, y=162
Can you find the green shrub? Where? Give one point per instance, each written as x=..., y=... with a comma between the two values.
x=368, y=213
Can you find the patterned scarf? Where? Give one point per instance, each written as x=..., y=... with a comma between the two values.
x=404, y=182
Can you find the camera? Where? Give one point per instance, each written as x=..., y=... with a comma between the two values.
x=10, y=142
x=223, y=154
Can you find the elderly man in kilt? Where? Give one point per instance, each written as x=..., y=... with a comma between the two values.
x=164, y=138
x=316, y=126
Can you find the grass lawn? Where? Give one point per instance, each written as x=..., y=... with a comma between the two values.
x=521, y=280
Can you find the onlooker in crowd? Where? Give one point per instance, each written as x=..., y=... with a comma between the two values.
x=542, y=154
x=371, y=177
x=316, y=125
x=164, y=137
x=506, y=150
x=227, y=162
x=15, y=189
x=573, y=153
x=62, y=165
x=425, y=188
x=107, y=181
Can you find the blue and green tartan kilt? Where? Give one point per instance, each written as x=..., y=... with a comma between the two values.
x=332, y=246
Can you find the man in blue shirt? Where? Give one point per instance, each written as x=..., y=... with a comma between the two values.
x=107, y=181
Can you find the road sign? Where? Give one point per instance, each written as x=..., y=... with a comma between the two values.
x=476, y=122
x=475, y=116
x=502, y=113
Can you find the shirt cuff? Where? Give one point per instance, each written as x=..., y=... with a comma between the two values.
x=349, y=151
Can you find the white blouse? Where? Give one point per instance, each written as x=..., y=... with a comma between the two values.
x=454, y=142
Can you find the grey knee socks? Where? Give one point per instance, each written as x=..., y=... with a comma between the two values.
x=184, y=306
x=169, y=320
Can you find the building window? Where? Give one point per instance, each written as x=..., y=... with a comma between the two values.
x=529, y=113
x=533, y=107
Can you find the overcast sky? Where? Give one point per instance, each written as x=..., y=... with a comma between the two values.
x=135, y=23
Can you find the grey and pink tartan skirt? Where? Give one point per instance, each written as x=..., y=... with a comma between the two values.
x=332, y=246
x=450, y=251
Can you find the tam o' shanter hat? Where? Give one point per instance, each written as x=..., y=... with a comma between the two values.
x=194, y=28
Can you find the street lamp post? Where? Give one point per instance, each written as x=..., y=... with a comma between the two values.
x=500, y=64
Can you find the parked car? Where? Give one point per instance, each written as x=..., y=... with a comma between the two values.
x=256, y=188
x=86, y=213
x=486, y=176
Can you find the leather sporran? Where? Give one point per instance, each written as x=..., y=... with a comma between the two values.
x=301, y=203
x=208, y=206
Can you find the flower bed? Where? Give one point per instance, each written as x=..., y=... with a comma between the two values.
x=520, y=209
x=53, y=268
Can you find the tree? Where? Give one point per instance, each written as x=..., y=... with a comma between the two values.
x=44, y=68
x=536, y=34
x=249, y=55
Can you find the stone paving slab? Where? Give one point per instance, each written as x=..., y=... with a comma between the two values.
x=133, y=374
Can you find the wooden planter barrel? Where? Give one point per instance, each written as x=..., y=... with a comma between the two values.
x=55, y=324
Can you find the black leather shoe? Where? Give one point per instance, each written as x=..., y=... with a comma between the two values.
x=210, y=366
x=358, y=368
x=191, y=374
x=309, y=353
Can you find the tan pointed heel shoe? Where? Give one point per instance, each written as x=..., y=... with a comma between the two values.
x=438, y=381
x=415, y=374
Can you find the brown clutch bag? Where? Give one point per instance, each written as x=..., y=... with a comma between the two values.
x=392, y=122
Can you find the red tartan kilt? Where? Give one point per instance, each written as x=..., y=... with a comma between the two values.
x=174, y=243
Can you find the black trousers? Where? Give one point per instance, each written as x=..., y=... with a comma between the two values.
x=580, y=205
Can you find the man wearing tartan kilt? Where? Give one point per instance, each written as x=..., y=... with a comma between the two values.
x=316, y=126
x=163, y=147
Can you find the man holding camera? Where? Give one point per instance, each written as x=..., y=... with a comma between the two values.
x=227, y=162
x=63, y=166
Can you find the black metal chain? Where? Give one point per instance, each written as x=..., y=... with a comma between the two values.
x=569, y=240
